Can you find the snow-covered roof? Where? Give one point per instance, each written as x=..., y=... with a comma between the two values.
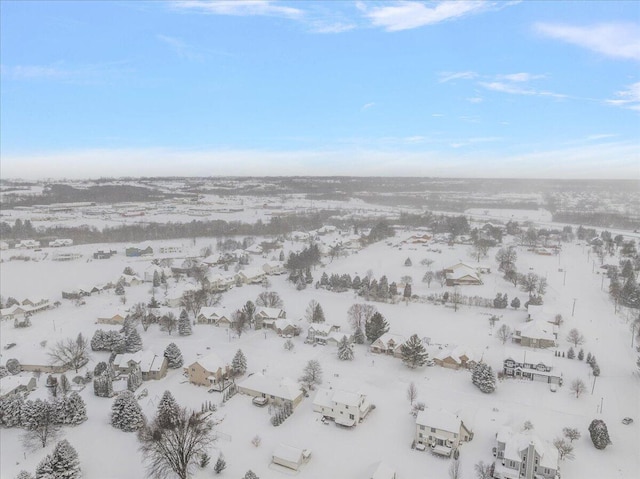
x=328, y=397
x=383, y=471
x=282, y=323
x=252, y=272
x=538, y=330
x=529, y=357
x=212, y=312
x=516, y=443
x=456, y=353
x=439, y=419
x=284, y=388
x=288, y=453
x=322, y=328
x=147, y=360
x=273, y=313
x=462, y=272
x=10, y=383
x=211, y=362
x=397, y=338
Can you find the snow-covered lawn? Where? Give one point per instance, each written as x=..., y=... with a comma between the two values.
x=386, y=434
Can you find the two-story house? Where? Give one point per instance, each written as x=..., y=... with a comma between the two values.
x=388, y=343
x=524, y=456
x=441, y=431
x=531, y=365
x=321, y=333
x=344, y=407
x=210, y=371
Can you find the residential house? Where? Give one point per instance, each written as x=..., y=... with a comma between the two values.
x=462, y=274
x=100, y=254
x=130, y=279
x=319, y=333
x=14, y=311
x=251, y=276
x=536, y=334
x=327, y=229
x=151, y=365
x=213, y=260
x=524, y=455
x=273, y=268
x=441, y=431
x=266, y=317
x=388, y=343
x=4, y=245
x=290, y=457
x=456, y=358
x=16, y=384
x=28, y=244
x=152, y=269
x=174, y=296
x=382, y=470
x=170, y=249
x=116, y=317
x=278, y=391
x=532, y=365
x=285, y=327
x=254, y=249
x=60, y=242
x=537, y=312
x=346, y=408
x=212, y=315
x=143, y=250
x=217, y=282
x=210, y=371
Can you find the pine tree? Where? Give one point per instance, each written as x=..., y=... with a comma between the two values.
x=630, y=294
x=156, y=279
x=133, y=341
x=75, y=409
x=595, y=369
x=413, y=352
x=407, y=291
x=135, y=378
x=581, y=354
x=571, y=354
x=45, y=468
x=408, y=262
x=324, y=279
x=10, y=410
x=318, y=314
x=24, y=475
x=64, y=461
x=599, y=434
x=515, y=303
x=103, y=386
x=588, y=358
x=483, y=378
x=126, y=413
x=99, y=369
x=168, y=411
x=358, y=336
x=376, y=327
x=174, y=356
x=239, y=363
x=345, y=353
x=184, y=325
x=250, y=475
x=221, y=464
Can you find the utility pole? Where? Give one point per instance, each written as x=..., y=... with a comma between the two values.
x=573, y=310
x=594, y=384
x=564, y=279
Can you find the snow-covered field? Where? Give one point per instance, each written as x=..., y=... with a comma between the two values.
x=386, y=434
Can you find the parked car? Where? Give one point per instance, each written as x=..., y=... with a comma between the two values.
x=430, y=362
x=260, y=402
x=627, y=420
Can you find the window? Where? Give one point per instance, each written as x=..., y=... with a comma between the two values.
x=433, y=429
x=422, y=428
x=351, y=416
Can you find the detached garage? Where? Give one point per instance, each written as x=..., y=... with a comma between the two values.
x=290, y=457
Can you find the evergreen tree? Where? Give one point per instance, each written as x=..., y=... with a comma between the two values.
x=221, y=464
x=581, y=354
x=75, y=409
x=103, y=386
x=599, y=434
x=156, y=279
x=383, y=288
x=119, y=289
x=45, y=468
x=24, y=475
x=174, y=356
x=483, y=378
x=345, y=353
x=64, y=385
x=515, y=303
x=324, y=279
x=630, y=294
x=280, y=258
x=408, y=262
x=589, y=358
x=99, y=369
x=595, y=369
x=376, y=327
x=393, y=289
x=239, y=363
x=126, y=413
x=184, y=325
x=571, y=354
x=135, y=378
x=133, y=341
x=413, y=352
x=407, y=291
x=168, y=411
x=250, y=475
x=10, y=410
x=358, y=336
x=63, y=463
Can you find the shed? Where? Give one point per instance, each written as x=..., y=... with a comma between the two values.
x=290, y=457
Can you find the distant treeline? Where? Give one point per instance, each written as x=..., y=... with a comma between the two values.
x=602, y=220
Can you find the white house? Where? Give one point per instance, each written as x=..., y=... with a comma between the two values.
x=151, y=365
x=524, y=456
x=536, y=334
x=213, y=315
x=251, y=275
x=115, y=317
x=531, y=365
x=320, y=333
x=344, y=407
x=462, y=274
x=278, y=391
x=273, y=268
x=441, y=431
x=290, y=457
x=266, y=317
x=60, y=242
x=28, y=244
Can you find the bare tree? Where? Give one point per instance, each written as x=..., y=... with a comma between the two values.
x=176, y=449
x=571, y=433
x=426, y=262
x=70, y=352
x=565, y=449
x=269, y=299
x=359, y=314
x=482, y=470
x=504, y=333
x=428, y=277
x=40, y=424
x=578, y=386
x=412, y=392
x=310, y=311
x=169, y=322
x=479, y=250
x=239, y=322
x=311, y=374
x=575, y=337
x=441, y=277
x=456, y=298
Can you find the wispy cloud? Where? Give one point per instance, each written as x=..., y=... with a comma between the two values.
x=80, y=74
x=366, y=106
x=448, y=76
x=520, y=77
x=518, y=90
x=334, y=27
x=628, y=98
x=238, y=8
x=617, y=40
x=475, y=99
x=601, y=136
x=181, y=48
x=405, y=15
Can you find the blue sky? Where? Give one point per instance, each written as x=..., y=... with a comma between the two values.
x=197, y=87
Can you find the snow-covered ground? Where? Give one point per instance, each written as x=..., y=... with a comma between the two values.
x=387, y=433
